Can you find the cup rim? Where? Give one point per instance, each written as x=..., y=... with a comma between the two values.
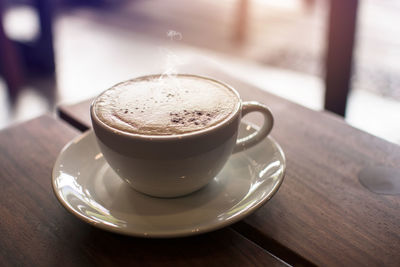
x=228, y=120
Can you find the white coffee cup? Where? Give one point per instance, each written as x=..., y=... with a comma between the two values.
x=177, y=164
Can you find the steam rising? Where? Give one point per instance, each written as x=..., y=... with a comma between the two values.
x=173, y=61
x=174, y=35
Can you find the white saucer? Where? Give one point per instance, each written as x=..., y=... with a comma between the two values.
x=88, y=188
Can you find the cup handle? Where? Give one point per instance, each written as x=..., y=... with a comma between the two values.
x=256, y=137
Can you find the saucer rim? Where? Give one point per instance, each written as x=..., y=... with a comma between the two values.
x=166, y=234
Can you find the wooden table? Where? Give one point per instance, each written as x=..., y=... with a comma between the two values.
x=35, y=230
x=321, y=215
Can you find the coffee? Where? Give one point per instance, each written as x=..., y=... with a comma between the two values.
x=170, y=136
x=157, y=105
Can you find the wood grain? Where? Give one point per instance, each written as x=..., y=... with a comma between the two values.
x=321, y=215
x=36, y=230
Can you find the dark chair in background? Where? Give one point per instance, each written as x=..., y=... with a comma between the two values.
x=35, y=57
x=11, y=67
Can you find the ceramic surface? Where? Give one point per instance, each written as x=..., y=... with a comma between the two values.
x=88, y=188
x=185, y=162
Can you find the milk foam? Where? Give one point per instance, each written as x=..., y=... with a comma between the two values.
x=165, y=105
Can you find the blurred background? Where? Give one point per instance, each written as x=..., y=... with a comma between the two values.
x=338, y=55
